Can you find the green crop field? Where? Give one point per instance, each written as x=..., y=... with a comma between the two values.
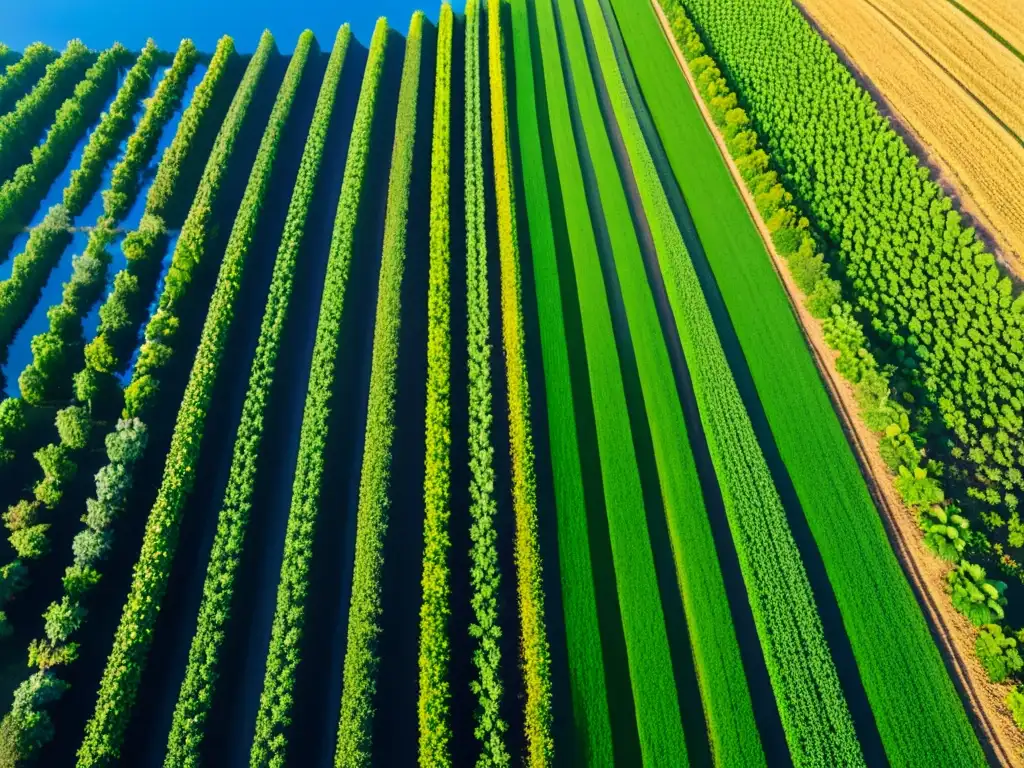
x=542, y=382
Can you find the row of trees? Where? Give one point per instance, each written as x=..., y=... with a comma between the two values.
x=20, y=292
x=189, y=722
x=21, y=194
x=113, y=127
x=119, y=684
x=55, y=351
x=21, y=127
x=535, y=649
x=27, y=726
x=484, y=575
x=21, y=74
x=355, y=727
x=435, y=610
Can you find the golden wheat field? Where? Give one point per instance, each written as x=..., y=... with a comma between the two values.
x=971, y=55
x=979, y=158
x=1003, y=16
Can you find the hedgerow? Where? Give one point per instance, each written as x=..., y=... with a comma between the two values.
x=19, y=76
x=189, y=722
x=535, y=650
x=355, y=726
x=434, y=649
x=113, y=126
x=21, y=127
x=173, y=159
x=20, y=292
x=48, y=376
x=20, y=195
x=119, y=684
x=485, y=576
x=274, y=715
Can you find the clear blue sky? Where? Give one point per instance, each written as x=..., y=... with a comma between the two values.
x=100, y=22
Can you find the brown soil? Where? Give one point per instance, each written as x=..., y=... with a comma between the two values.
x=953, y=633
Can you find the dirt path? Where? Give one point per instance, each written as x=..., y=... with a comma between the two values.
x=953, y=633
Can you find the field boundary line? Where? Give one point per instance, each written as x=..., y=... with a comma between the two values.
x=901, y=529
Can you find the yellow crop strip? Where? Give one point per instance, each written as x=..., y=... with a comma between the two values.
x=536, y=652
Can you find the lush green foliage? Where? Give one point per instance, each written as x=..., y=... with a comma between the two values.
x=22, y=736
x=484, y=575
x=274, y=716
x=643, y=619
x=435, y=611
x=20, y=75
x=937, y=307
x=188, y=725
x=20, y=195
x=48, y=376
x=586, y=665
x=192, y=241
x=119, y=685
x=173, y=159
x=113, y=126
x=535, y=649
x=20, y=128
x=888, y=635
x=355, y=726
x=20, y=292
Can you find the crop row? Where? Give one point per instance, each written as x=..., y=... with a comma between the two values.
x=485, y=576
x=900, y=667
x=21, y=127
x=535, y=649
x=119, y=685
x=274, y=715
x=931, y=297
x=115, y=123
x=20, y=195
x=589, y=696
x=355, y=727
x=19, y=76
x=435, y=611
x=19, y=293
x=811, y=705
x=189, y=723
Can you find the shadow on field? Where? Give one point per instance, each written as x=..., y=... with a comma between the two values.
x=464, y=746
x=554, y=621
x=766, y=713
x=105, y=608
x=177, y=620
x=395, y=724
x=621, y=705
x=318, y=681
x=687, y=690
x=828, y=609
